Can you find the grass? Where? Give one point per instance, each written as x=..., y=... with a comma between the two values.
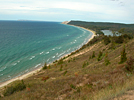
x=81, y=78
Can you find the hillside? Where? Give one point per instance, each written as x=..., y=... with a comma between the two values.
x=94, y=72
x=128, y=28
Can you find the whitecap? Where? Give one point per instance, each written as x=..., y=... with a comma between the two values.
x=18, y=61
x=47, y=52
x=53, y=49
x=59, y=48
x=2, y=69
x=37, y=65
x=9, y=76
x=68, y=50
x=56, y=53
x=41, y=53
x=1, y=74
x=47, y=60
x=61, y=54
x=32, y=57
x=15, y=64
x=53, y=57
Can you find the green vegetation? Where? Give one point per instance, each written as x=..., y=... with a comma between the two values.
x=17, y=86
x=93, y=55
x=94, y=74
x=97, y=26
x=100, y=56
x=45, y=66
x=107, y=62
x=130, y=65
x=123, y=56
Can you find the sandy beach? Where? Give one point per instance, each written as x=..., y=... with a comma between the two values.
x=38, y=69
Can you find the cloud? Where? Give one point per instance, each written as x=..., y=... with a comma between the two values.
x=101, y=10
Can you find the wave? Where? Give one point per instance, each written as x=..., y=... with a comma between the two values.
x=2, y=69
x=15, y=64
x=56, y=53
x=41, y=53
x=61, y=54
x=32, y=57
x=59, y=47
x=48, y=59
x=53, y=49
x=37, y=65
x=47, y=52
x=1, y=74
x=53, y=57
x=68, y=50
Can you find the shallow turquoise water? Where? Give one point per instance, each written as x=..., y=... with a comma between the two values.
x=25, y=46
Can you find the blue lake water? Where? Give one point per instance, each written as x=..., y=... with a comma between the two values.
x=26, y=45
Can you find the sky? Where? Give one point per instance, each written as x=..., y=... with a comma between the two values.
x=119, y=11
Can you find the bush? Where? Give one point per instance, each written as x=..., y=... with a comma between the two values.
x=100, y=56
x=17, y=86
x=61, y=68
x=123, y=56
x=119, y=39
x=60, y=61
x=106, y=40
x=65, y=73
x=107, y=62
x=130, y=65
x=45, y=66
x=93, y=55
x=85, y=64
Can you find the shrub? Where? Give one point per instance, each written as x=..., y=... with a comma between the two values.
x=60, y=61
x=61, y=68
x=16, y=86
x=107, y=62
x=72, y=86
x=119, y=39
x=130, y=65
x=100, y=56
x=123, y=56
x=106, y=40
x=93, y=55
x=45, y=66
x=65, y=73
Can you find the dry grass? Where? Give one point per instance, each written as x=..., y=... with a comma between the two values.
x=94, y=81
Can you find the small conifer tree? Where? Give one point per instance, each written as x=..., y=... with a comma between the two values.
x=61, y=68
x=45, y=66
x=99, y=56
x=93, y=55
x=107, y=62
x=123, y=56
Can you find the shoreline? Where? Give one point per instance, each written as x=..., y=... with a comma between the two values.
x=24, y=76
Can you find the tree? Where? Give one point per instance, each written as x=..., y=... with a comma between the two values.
x=106, y=40
x=100, y=56
x=93, y=55
x=107, y=62
x=45, y=66
x=123, y=56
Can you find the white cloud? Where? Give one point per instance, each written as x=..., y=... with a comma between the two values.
x=109, y=10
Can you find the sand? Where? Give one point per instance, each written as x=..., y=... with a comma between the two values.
x=37, y=70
